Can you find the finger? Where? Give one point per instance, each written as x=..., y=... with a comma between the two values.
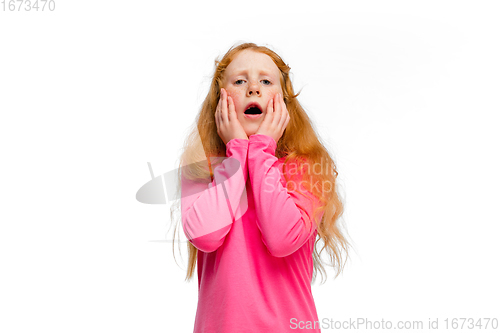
x=224, y=117
x=216, y=114
x=219, y=110
x=270, y=112
x=232, y=111
x=284, y=113
x=277, y=111
x=287, y=121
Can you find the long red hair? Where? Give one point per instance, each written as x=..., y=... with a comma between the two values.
x=299, y=143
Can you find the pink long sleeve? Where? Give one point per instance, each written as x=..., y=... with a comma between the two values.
x=255, y=262
x=283, y=217
x=209, y=209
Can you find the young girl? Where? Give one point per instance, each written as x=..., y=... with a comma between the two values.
x=258, y=193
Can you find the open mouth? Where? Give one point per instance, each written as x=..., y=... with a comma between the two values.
x=253, y=108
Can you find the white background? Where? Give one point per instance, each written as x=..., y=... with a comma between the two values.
x=404, y=94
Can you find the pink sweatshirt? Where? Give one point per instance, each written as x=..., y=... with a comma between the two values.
x=255, y=241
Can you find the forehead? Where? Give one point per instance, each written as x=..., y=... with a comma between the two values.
x=252, y=61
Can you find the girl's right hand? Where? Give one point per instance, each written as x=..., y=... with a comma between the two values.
x=228, y=125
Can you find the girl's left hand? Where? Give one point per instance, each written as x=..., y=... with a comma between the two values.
x=276, y=119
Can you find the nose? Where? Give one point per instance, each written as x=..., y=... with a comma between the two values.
x=253, y=89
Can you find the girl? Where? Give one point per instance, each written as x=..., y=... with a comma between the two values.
x=254, y=211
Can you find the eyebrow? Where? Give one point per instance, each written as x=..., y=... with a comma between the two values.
x=260, y=73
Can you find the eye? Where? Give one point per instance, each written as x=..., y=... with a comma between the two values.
x=266, y=82
x=238, y=81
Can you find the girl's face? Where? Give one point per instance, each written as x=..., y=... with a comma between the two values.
x=252, y=78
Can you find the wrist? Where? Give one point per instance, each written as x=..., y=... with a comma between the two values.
x=256, y=135
x=237, y=140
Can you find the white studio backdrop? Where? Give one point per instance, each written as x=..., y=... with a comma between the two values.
x=405, y=96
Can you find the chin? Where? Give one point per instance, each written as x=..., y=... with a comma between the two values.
x=251, y=131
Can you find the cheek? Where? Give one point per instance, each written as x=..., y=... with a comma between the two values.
x=235, y=96
x=272, y=93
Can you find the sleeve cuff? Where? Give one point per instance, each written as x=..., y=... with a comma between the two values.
x=237, y=142
x=268, y=141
